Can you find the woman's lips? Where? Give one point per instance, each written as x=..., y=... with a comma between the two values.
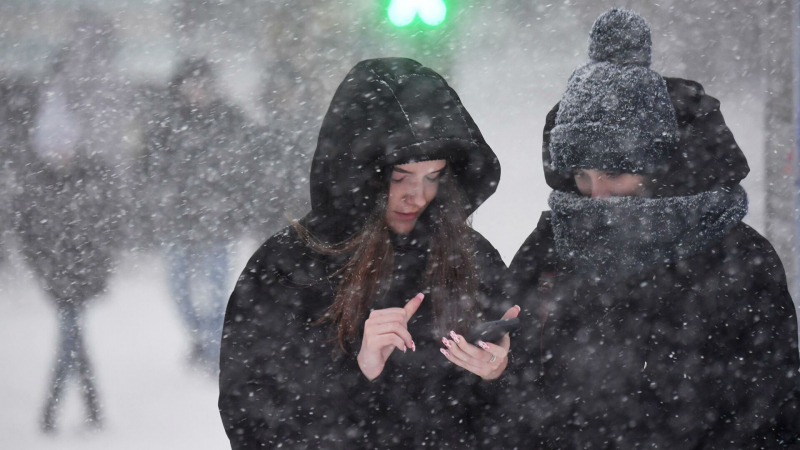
x=407, y=216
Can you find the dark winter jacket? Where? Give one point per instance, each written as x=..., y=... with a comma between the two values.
x=283, y=382
x=68, y=227
x=194, y=160
x=694, y=353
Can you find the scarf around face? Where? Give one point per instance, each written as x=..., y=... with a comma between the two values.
x=610, y=239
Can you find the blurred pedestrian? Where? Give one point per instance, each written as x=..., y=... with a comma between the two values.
x=294, y=100
x=658, y=319
x=66, y=219
x=194, y=160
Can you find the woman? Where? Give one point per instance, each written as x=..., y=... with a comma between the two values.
x=659, y=319
x=322, y=347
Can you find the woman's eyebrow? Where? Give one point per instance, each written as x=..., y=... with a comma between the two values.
x=397, y=169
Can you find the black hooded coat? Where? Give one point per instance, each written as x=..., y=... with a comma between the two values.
x=695, y=353
x=283, y=382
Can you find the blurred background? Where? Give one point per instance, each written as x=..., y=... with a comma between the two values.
x=149, y=146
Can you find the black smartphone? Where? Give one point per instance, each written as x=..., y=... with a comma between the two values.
x=492, y=331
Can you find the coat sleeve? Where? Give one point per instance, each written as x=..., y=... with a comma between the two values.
x=249, y=385
x=733, y=383
x=493, y=280
x=522, y=408
x=534, y=258
x=279, y=384
x=495, y=301
x=761, y=387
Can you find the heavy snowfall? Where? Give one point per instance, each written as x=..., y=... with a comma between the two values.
x=173, y=233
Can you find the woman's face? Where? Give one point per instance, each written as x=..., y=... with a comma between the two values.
x=604, y=184
x=411, y=189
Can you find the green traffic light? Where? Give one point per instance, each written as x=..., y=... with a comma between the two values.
x=402, y=12
x=432, y=12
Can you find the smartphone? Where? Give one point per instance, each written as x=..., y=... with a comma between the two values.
x=492, y=331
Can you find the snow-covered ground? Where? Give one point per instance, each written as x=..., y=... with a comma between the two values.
x=151, y=399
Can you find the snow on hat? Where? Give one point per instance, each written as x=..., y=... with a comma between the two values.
x=616, y=113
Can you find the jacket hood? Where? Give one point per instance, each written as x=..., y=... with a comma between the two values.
x=707, y=157
x=386, y=112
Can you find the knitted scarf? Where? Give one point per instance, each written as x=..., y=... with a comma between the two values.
x=613, y=238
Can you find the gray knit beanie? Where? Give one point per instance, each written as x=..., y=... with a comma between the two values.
x=616, y=113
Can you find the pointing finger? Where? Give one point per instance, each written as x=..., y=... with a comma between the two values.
x=413, y=305
x=512, y=312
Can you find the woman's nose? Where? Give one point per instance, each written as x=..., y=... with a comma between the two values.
x=416, y=197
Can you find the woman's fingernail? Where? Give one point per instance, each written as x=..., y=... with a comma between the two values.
x=455, y=337
x=483, y=345
x=518, y=308
x=444, y=352
x=421, y=296
x=446, y=342
x=404, y=349
x=413, y=346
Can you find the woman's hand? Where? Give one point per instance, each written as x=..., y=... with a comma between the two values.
x=488, y=361
x=384, y=331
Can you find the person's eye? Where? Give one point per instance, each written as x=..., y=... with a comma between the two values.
x=433, y=178
x=398, y=180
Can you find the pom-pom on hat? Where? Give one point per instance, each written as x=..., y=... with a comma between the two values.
x=616, y=113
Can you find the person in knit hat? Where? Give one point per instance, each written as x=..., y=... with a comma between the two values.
x=655, y=317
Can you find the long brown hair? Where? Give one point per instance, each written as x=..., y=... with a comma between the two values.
x=366, y=275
